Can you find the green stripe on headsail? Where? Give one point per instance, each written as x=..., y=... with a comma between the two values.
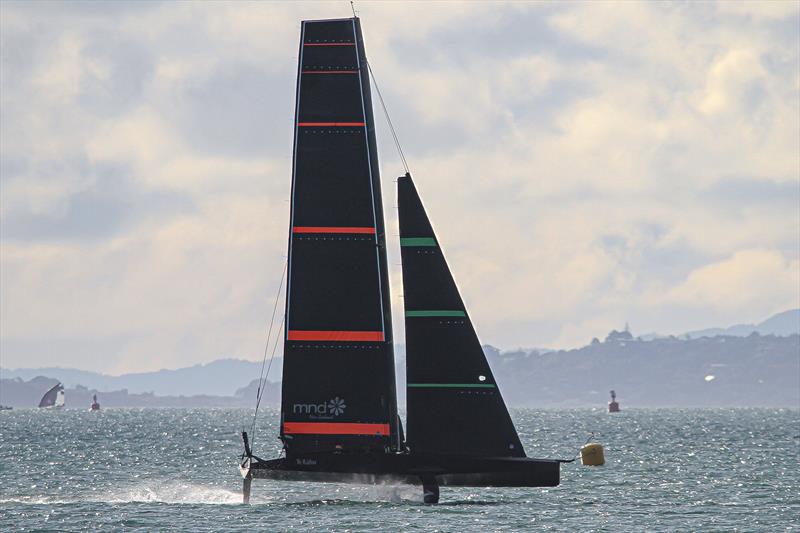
x=417, y=241
x=452, y=385
x=435, y=313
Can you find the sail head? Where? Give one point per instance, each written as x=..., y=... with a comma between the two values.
x=338, y=374
x=453, y=401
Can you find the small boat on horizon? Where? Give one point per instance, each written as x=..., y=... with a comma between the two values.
x=95, y=404
x=55, y=398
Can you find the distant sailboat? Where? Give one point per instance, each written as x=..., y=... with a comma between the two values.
x=95, y=404
x=339, y=419
x=53, y=398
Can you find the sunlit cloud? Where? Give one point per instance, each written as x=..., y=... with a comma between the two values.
x=584, y=165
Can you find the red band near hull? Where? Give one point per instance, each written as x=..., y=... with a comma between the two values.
x=334, y=428
x=341, y=336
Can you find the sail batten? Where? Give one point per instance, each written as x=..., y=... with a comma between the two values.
x=435, y=314
x=417, y=241
x=338, y=376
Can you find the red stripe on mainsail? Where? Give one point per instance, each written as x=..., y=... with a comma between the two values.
x=329, y=44
x=334, y=428
x=331, y=229
x=308, y=335
x=330, y=72
x=306, y=124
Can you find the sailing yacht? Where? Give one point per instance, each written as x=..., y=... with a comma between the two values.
x=339, y=419
x=54, y=398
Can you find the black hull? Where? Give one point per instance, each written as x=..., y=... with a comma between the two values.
x=412, y=469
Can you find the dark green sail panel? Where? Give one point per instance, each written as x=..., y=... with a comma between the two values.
x=454, y=404
x=338, y=392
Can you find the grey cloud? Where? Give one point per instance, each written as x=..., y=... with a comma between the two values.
x=508, y=34
x=538, y=111
x=418, y=137
x=83, y=8
x=785, y=29
x=223, y=103
x=21, y=50
x=781, y=29
x=112, y=205
x=534, y=110
x=48, y=171
x=240, y=110
x=652, y=259
x=58, y=350
x=12, y=165
x=743, y=193
x=130, y=66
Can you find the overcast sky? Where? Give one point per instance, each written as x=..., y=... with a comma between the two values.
x=584, y=165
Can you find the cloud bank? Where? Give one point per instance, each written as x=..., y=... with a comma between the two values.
x=584, y=164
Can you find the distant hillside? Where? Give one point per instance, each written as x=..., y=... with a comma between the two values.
x=218, y=378
x=750, y=365
x=782, y=325
x=755, y=370
x=720, y=371
x=18, y=393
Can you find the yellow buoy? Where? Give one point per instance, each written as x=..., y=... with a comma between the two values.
x=592, y=454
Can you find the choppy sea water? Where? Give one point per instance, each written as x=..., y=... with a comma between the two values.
x=175, y=469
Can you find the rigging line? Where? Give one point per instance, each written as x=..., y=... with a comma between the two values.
x=271, y=358
x=389, y=120
x=259, y=391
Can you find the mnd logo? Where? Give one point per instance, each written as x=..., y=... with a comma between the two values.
x=336, y=406
x=325, y=410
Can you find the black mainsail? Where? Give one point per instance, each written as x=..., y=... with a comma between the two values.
x=338, y=374
x=339, y=419
x=454, y=404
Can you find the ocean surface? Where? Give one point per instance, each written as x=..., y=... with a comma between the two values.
x=175, y=469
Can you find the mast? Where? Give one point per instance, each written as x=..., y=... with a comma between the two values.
x=454, y=403
x=338, y=375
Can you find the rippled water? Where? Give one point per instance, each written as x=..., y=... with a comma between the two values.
x=175, y=469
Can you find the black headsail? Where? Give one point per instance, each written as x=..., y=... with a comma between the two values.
x=338, y=375
x=454, y=405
